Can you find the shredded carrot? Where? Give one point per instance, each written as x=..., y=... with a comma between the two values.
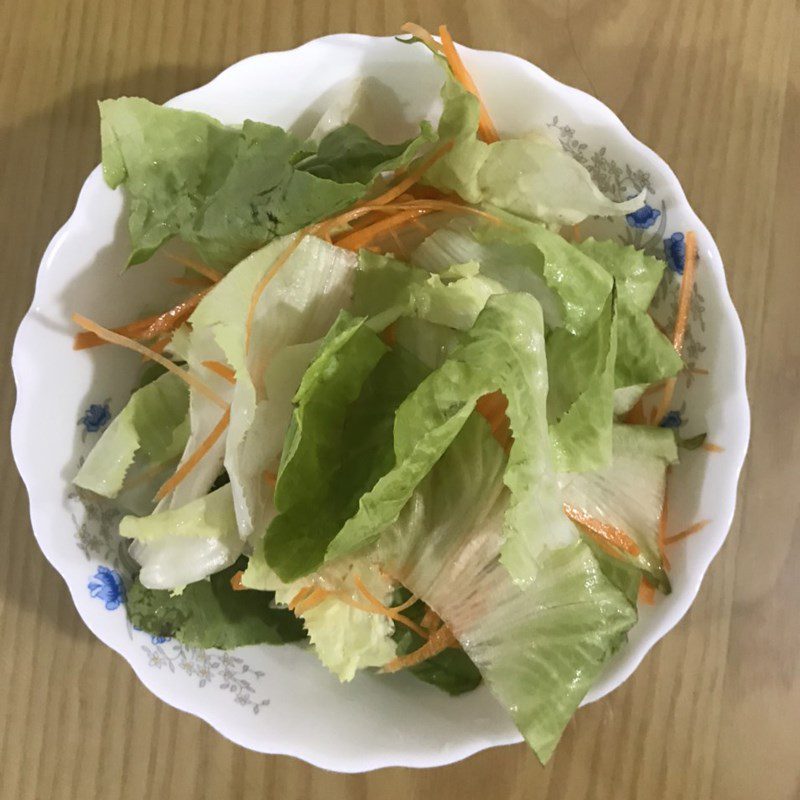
x=393, y=192
x=713, y=448
x=270, y=477
x=662, y=528
x=147, y=328
x=439, y=641
x=304, y=592
x=194, y=459
x=636, y=415
x=204, y=270
x=407, y=604
x=612, y=535
x=493, y=408
x=698, y=526
x=160, y=345
x=420, y=33
x=115, y=338
x=223, y=370
x=486, y=128
x=380, y=608
x=389, y=335
x=236, y=582
x=681, y=320
x=576, y=233
x=361, y=238
x=431, y=621
x=316, y=597
x=647, y=592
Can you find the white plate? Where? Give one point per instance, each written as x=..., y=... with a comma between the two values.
x=279, y=699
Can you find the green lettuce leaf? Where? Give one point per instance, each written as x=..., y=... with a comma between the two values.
x=344, y=638
x=183, y=545
x=153, y=424
x=453, y=298
x=532, y=176
x=644, y=354
x=350, y=155
x=225, y=190
x=580, y=401
x=210, y=613
x=538, y=644
x=629, y=492
x=503, y=351
x=339, y=442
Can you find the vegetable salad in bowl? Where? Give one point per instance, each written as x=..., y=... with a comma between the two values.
x=407, y=412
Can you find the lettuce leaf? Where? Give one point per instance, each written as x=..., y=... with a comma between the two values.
x=503, y=351
x=294, y=312
x=532, y=176
x=210, y=613
x=153, y=425
x=453, y=298
x=538, y=644
x=580, y=401
x=629, y=492
x=452, y=671
x=183, y=545
x=338, y=444
x=227, y=190
x=350, y=155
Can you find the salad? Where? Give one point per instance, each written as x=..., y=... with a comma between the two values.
x=405, y=414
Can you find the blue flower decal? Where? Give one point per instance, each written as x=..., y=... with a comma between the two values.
x=675, y=250
x=644, y=217
x=108, y=586
x=159, y=639
x=96, y=417
x=672, y=420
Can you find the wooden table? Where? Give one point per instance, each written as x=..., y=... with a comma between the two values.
x=714, y=711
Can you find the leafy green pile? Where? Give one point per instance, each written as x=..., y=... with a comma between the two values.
x=412, y=417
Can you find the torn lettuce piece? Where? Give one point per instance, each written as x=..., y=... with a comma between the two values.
x=629, y=492
x=452, y=298
x=183, y=545
x=540, y=644
x=344, y=638
x=153, y=425
x=524, y=257
x=339, y=442
x=644, y=354
x=348, y=154
x=295, y=310
x=426, y=341
x=224, y=190
x=532, y=176
x=580, y=400
x=210, y=613
x=503, y=351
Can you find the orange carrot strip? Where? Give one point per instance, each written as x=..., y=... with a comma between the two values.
x=613, y=535
x=204, y=270
x=439, y=641
x=420, y=33
x=389, y=335
x=270, y=477
x=304, y=592
x=407, y=604
x=681, y=319
x=713, y=448
x=486, y=128
x=393, y=192
x=223, y=370
x=360, y=238
x=194, y=283
x=160, y=345
x=647, y=593
x=194, y=459
x=236, y=582
x=431, y=621
x=636, y=415
x=380, y=608
x=314, y=599
x=698, y=526
x=123, y=341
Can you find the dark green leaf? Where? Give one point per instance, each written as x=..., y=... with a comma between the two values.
x=211, y=614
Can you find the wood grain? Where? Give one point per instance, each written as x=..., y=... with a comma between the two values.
x=714, y=87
